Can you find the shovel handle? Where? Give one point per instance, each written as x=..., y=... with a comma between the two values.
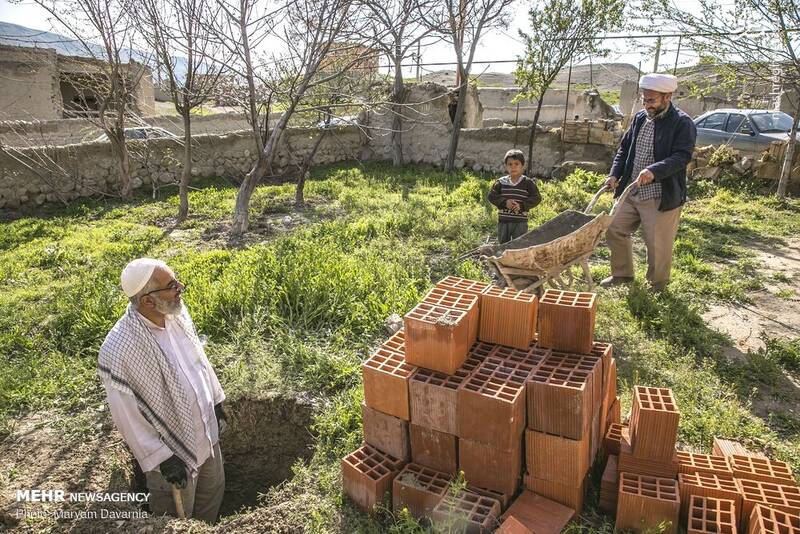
x=176, y=497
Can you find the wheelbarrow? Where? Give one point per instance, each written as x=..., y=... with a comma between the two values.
x=546, y=254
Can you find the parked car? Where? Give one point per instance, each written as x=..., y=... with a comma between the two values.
x=750, y=131
x=144, y=132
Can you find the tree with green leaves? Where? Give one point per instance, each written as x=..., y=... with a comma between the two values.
x=746, y=41
x=562, y=31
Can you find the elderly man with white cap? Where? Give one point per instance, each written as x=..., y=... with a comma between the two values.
x=654, y=153
x=163, y=394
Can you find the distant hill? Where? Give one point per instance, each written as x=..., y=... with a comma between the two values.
x=605, y=76
x=16, y=35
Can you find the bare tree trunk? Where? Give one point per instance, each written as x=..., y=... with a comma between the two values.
x=299, y=198
x=123, y=164
x=263, y=166
x=788, y=160
x=453, y=147
x=397, y=109
x=186, y=174
x=532, y=137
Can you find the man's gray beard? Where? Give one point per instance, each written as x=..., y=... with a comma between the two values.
x=167, y=307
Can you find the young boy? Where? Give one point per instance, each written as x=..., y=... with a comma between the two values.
x=513, y=194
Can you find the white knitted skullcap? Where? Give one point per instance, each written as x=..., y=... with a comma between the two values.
x=137, y=273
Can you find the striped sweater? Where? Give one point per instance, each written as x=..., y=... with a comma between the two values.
x=525, y=192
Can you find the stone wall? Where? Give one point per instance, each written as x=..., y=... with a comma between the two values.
x=60, y=174
x=29, y=85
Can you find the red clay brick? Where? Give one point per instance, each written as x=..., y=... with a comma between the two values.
x=533, y=355
x=434, y=396
x=512, y=525
x=776, y=496
x=434, y=449
x=508, y=317
x=708, y=485
x=753, y=468
x=386, y=432
x=457, y=300
x=765, y=520
x=614, y=413
x=386, y=375
x=418, y=488
x=695, y=462
x=569, y=496
x=613, y=438
x=609, y=394
x=566, y=321
x=630, y=463
x=437, y=338
x=467, y=512
x=367, y=476
x=491, y=403
x=560, y=398
x=711, y=516
x=609, y=486
x=726, y=447
x=489, y=467
x=502, y=498
x=464, y=285
x=539, y=514
x=557, y=459
x=644, y=502
x=654, y=423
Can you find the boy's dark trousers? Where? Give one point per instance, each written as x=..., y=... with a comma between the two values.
x=506, y=231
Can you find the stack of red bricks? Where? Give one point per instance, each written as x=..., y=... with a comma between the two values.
x=466, y=387
x=648, y=483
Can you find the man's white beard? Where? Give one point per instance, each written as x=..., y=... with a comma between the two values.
x=167, y=307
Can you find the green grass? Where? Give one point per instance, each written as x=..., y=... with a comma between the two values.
x=299, y=309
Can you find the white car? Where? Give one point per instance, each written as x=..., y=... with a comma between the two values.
x=144, y=132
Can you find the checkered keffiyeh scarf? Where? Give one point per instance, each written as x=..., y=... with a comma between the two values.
x=644, y=158
x=132, y=361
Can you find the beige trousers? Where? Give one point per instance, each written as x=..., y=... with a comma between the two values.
x=202, y=495
x=659, y=229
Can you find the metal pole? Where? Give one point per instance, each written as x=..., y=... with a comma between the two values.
x=516, y=123
x=591, y=78
x=566, y=109
x=658, y=53
x=677, y=55
x=419, y=46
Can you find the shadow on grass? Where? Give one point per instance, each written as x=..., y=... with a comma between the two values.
x=673, y=316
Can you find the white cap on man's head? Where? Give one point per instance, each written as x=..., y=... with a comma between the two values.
x=137, y=273
x=662, y=83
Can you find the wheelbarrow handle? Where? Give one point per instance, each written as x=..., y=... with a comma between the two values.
x=619, y=201
x=622, y=198
x=595, y=198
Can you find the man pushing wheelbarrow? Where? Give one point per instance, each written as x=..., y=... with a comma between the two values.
x=653, y=154
x=648, y=176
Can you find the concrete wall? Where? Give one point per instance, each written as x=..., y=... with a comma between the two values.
x=29, y=85
x=497, y=104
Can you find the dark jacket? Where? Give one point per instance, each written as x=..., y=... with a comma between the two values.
x=673, y=144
